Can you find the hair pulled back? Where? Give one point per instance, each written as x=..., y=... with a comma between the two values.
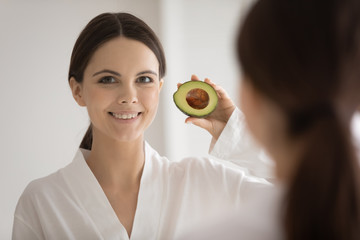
x=304, y=56
x=100, y=30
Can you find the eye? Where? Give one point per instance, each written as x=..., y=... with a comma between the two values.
x=107, y=80
x=144, y=79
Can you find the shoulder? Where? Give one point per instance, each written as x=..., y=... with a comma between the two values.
x=45, y=188
x=40, y=187
x=34, y=199
x=33, y=202
x=56, y=180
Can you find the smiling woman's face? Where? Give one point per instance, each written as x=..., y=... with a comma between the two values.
x=120, y=89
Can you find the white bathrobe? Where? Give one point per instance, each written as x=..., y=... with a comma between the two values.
x=174, y=196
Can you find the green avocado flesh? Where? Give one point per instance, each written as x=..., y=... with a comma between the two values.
x=196, y=99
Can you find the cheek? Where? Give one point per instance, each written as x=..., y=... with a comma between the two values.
x=250, y=113
x=255, y=125
x=244, y=101
x=97, y=99
x=150, y=99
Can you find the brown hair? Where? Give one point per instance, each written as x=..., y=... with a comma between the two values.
x=101, y=29
x=303, y=54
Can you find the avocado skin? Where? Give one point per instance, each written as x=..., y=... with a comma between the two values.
x=204, y=86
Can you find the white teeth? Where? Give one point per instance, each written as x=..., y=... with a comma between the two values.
x=124, y=116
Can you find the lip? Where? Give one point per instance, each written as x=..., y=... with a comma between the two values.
x=125, y=112
x=129, y=120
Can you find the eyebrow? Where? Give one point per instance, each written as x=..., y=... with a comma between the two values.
x=147, y=71
x=118, y=74
x=107, y=71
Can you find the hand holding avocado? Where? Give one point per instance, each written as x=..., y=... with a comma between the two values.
x=200, y=97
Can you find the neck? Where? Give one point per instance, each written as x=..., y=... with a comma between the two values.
x=117, y=164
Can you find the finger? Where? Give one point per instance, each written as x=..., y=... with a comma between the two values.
x=220, y=91
x=207, y=80
x=194, y=78
x=178, y=85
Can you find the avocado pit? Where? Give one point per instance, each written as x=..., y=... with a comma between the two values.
x=197, y=98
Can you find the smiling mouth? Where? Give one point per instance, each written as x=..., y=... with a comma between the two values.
x=124, y=116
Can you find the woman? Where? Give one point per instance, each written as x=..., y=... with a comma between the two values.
x=117, y=186
x=300, y=61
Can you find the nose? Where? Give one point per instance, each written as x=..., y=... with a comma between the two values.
x=128, y=94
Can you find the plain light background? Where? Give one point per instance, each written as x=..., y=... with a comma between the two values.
x=41, y=125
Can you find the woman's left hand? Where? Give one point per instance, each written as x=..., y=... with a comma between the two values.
x=216, y=121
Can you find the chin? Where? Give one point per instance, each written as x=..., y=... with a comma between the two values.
x=127, y=138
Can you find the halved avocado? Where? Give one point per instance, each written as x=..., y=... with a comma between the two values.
x=196, y=98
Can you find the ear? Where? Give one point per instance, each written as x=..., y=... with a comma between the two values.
x=77, y=91
x=161, y=82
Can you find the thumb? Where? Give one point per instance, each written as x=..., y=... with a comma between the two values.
x=200, y=122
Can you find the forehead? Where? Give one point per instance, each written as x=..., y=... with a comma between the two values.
x=123, y=54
